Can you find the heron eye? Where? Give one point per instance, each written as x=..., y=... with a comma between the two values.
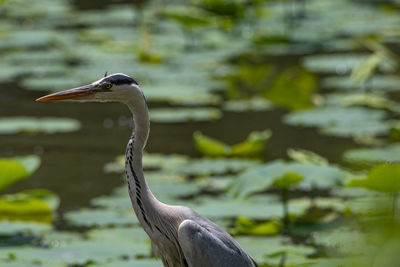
x=108, y=85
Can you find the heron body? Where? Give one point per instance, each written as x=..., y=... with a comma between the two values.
x=182, y=237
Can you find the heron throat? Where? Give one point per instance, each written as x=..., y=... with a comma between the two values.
x=143, y=201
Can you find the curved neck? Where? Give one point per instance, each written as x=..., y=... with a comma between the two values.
x=141, y=120
x=143, y=201
x=151, y=213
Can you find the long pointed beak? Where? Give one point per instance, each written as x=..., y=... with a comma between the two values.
x=75, y=93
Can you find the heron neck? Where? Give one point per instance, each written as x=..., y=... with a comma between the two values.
x=143, y=201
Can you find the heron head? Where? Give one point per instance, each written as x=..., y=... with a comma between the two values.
x=114, y=87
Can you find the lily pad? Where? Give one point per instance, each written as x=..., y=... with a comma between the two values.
x=171, y=115
x=100, y=217
x=163, y=162
x=38, y=125
x=245, y=226
x=120, y=234
x=306, y=156
x=339, y=121
x=339, y=63
x=371, y=205
x=167, y=187
x=375, y=83
x=190, y=17
x=134, y=262
x=382, y=178
x=18, y=227
x=342, y=262
x=14, y=169
x=29, y=205
x=152, y=161
x=251, y=147
x=270, y=250
x=57, y=238
x=26, y=38
x=50, y=83
x=260, y=178
x=76, y=252
x=259, y=208
x=292, y=89
x=116, y=15
x=343, y=240
x=372, y=100
x=207, y=166
x=215, y=183
x=373, y=155
x=254, y=104
x=288, y=180
x=180, y=94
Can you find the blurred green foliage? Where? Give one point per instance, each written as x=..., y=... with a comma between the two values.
x=29, y=205
x=328, y=66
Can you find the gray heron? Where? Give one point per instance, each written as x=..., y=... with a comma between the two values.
x=181, y=236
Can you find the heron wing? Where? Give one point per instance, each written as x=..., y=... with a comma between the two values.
x=205, y=244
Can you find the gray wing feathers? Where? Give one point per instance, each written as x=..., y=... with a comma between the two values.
x=205, y=244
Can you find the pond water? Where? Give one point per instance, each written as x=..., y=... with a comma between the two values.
x=321, y=75
x=72, y=163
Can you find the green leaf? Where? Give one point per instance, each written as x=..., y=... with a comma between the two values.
x=394, y=133
x=371, y=205
x=100, y=217
x=383, y=178
x=292, y=89
x=380, y=55
x=289, y=179
x=189, y=16
x=11, y=172
x=343, y=240
x=340, y=121
x=270, y=249
x=306, y=156
x=339, y=63
x=376, y=100
x=260, y=178
x=14, y=169
x=209, y=146
x=373, y=155
x=245, y=226
x=119, y=234
x=342, y=262
x=30, y=205
x=253, y=104
x=76, y=252
x=249, y=79
x=37, y=125
x=19, y=227
x=252, y=146
x=386, y=83
x=145, y=262
x=207, y=166
x=260, y=208
x=366, y=69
